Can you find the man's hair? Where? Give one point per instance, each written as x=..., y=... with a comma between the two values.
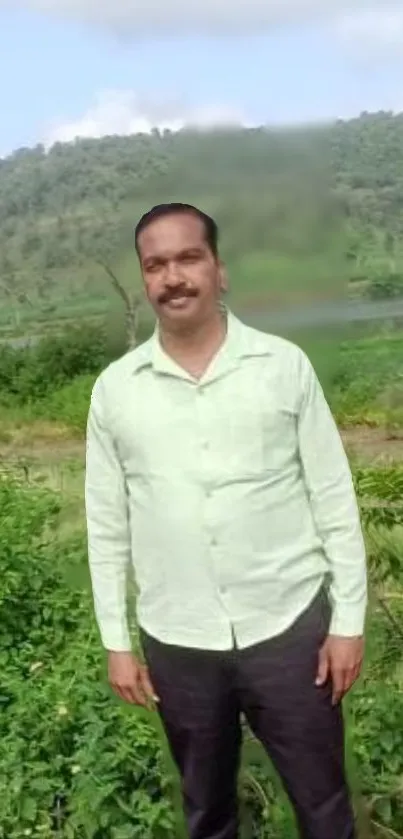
x=165, y=210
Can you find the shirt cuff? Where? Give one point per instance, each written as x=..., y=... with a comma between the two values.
x=348, y=619
x=116, y=639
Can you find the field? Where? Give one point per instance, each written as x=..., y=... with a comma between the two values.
x=308, y=218
x=75, y=763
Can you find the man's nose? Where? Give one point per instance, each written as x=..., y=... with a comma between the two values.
x=173, y=275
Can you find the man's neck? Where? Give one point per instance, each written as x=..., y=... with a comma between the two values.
x=194, y=348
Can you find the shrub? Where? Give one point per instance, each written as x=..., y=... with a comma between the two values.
x=69, y=404
x=74, y=762
x=29, y=374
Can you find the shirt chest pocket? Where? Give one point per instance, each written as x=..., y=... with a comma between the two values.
x=259, y=437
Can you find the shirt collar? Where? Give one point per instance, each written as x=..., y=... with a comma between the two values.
x=241, y=341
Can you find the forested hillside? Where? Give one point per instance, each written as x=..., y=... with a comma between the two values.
x=304, y=195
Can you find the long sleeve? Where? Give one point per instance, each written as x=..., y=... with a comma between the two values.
x=334, y=505
x=107, y=527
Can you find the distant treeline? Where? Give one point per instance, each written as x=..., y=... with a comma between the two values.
x=295, y=193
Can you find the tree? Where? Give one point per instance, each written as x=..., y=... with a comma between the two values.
x=390, y=250
x=132, y=302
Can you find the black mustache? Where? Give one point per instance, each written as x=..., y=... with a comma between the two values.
x=174, y=293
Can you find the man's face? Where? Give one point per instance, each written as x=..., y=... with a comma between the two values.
x=183, y=279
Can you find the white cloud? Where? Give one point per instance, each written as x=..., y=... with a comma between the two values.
x=159, y=17
x=365, y=28
x=122, y=112
x=373, y=31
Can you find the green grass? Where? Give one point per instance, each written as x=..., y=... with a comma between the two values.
x=266, y=278
x=104, y=766
x=369, y=386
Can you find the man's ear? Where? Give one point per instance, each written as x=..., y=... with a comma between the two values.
x=223, y=276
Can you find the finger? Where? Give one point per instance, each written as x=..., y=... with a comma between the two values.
x=129, y=693
x=350, y=677
x=119, y=691
x=147, y=686
x=337, y=686
x=137, y=693
x=322, y=674
x=133, y=695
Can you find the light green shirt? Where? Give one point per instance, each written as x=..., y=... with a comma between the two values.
x=231, y=495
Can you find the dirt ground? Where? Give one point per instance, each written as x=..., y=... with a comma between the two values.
x=373, y=445
x=53, y=446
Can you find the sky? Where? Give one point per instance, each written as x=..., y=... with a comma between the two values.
x=93, y=67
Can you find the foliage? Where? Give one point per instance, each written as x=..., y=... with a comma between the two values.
x=381, y=493
x=31, y=373
x=68, y=405
x=77, y=764
x=40, y=371
x=367, y=386
x=330, y=193
x=73, y=762
x=53, y=379
x=378, y=707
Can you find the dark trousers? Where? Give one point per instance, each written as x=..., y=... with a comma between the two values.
x=202, y=696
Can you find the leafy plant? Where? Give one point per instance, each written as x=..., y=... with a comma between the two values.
x=75, y=763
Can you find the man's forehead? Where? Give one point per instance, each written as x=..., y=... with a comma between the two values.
x=181, y=230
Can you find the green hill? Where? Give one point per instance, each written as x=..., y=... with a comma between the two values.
x=301, y=211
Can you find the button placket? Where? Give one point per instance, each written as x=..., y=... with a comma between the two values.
x=212, y=540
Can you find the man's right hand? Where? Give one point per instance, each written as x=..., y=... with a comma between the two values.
x=130, y=680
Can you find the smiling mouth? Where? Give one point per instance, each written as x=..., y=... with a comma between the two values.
x=178, y=302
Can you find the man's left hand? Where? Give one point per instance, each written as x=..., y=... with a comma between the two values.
x=340, y=659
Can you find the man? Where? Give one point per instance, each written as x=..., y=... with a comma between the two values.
x=215, y=467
